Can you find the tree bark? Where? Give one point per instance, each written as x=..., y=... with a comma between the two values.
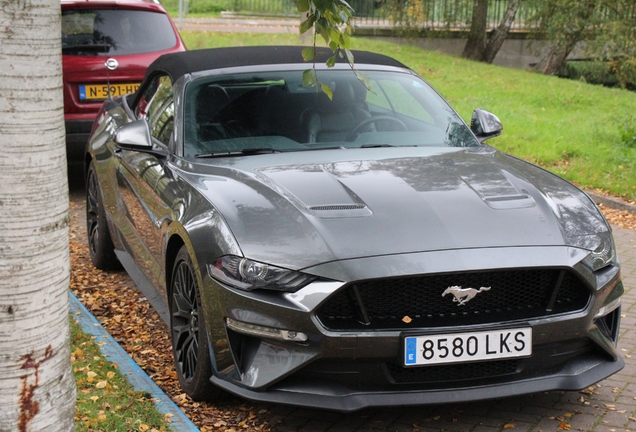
x=37, y=389
x=476, y=42
x=579, y=24
x=554, y=59
x=499, y=36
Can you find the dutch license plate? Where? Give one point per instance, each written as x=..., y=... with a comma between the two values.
x=100, y=91
x=464, y=347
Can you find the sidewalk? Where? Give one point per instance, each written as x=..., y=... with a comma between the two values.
x=241, y=23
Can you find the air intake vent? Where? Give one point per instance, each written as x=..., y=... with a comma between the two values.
x=340, y=211
x=507, y=198
x=337, y=207
x=509, y=201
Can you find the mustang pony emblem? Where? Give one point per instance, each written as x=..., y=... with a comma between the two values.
x=463, y=295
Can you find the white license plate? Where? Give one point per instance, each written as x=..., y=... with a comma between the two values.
x=464, y=347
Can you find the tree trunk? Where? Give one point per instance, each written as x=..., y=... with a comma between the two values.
x=37, y=389
x=476, y=42
x=499, y=36
x=554, y=59
x=572, y=34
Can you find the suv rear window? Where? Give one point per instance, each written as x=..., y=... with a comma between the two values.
x=115, y=32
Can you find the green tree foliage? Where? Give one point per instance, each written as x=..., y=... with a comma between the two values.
x=615, y=41
x=331, y=19
x=565, y=23
x=408, y=15
x=600, y=29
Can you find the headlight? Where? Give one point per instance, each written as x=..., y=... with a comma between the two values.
x=603, y=255
x=249, y=275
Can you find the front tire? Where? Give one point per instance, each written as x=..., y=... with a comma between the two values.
x=100, y=243
x=189, y=337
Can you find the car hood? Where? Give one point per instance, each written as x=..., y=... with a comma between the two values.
x=301, y=209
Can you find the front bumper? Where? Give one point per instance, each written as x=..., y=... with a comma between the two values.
x=574, y=375
x=355, y=368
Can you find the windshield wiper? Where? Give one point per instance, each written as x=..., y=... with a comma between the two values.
x=385, y=145
x=244, y=152
x=376, y=145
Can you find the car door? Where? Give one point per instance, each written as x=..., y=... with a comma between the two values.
x=137, y=175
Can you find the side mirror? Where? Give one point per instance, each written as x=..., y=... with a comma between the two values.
x=134, y=136
x=485, y=124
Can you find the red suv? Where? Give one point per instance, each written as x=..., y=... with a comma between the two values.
x=106, y=47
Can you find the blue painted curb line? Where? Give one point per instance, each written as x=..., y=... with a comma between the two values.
x=127, y=366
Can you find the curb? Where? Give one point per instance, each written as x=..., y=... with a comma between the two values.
x=127, y=366
x=612, y=202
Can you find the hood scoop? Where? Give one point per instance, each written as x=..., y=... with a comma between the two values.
x=317, y=191
x=498, y=188
x=340, y=210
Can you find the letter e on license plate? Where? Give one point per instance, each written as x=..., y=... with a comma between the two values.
x=465, y=347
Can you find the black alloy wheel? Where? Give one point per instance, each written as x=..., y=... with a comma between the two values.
x=189, y=337
x=100, y=244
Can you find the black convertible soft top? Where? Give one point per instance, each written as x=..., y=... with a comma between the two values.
x=178, y=64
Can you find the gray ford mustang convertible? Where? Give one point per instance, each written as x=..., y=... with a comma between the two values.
x=358, y=251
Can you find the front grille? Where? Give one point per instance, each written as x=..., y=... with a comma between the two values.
x=454, y=372
x=417, y=301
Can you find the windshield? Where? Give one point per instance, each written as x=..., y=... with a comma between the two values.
x=245, y=114
x=115, y=32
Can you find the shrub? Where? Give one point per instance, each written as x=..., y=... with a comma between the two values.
x=590, y=71
x=206, y=6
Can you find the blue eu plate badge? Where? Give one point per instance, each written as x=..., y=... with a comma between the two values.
x=410, y=357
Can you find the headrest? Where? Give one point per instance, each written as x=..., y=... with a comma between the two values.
x=210, y=100
x=343, y=96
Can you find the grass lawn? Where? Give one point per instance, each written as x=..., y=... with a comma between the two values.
x=583, y=132
x=105, y=400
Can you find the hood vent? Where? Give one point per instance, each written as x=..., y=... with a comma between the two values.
x=510, y=201
x=341, y=210
x=338, y=207
x=507, y=198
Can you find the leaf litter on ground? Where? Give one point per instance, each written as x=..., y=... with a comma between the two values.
x=126, y=314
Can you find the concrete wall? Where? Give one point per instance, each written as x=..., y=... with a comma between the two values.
x=516, y=53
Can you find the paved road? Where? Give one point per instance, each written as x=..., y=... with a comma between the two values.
x=609, y=407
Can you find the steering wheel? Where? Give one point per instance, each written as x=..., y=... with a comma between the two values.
x=356, y=130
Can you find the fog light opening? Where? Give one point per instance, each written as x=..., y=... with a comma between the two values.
x=609, y=323
x=264, y=331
